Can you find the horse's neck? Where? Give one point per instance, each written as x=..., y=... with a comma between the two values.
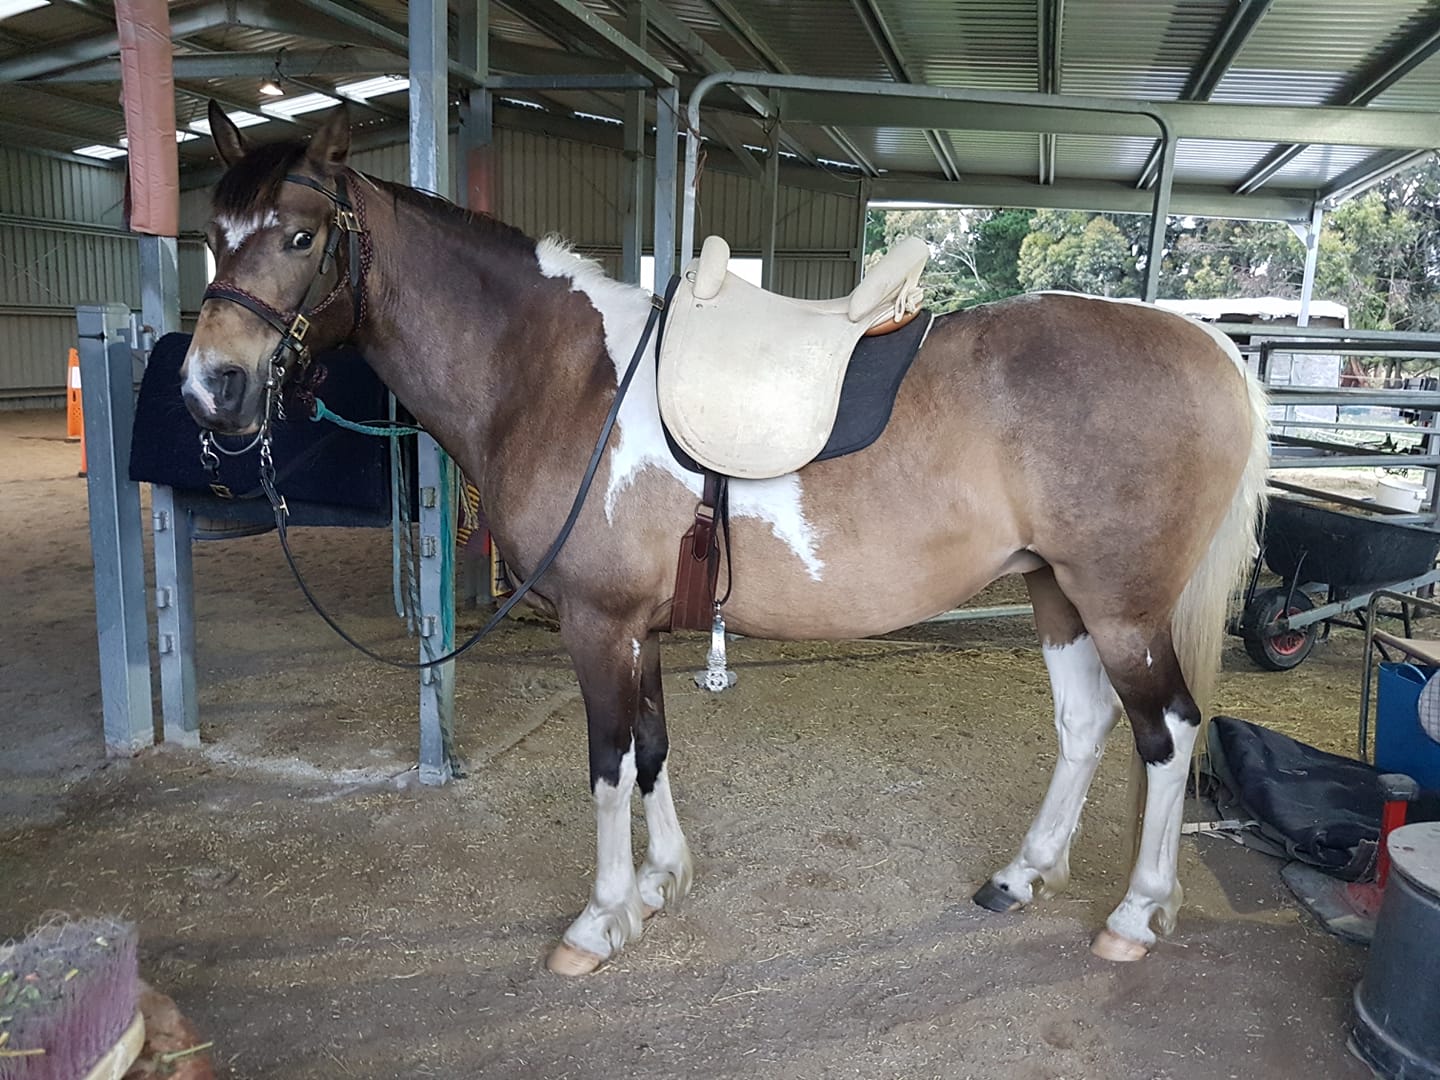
x=470, y=336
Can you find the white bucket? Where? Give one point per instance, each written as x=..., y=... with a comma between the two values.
x=1400, y=494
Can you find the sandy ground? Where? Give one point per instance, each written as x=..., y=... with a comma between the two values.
x=319, y=914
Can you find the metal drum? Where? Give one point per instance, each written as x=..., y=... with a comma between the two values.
x=1397, y=1003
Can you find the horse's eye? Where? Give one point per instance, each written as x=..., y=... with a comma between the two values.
x=302, y=240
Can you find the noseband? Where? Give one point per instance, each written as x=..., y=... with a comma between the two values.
x=293, y=326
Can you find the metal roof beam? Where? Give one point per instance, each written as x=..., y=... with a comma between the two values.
x=893, y=105
x=295, y=63
x=184, y=22
x=343, y=22
x=667, y=26
x=1229, y=39
x=874, y=24
x=1371, y=171
x=573, y=17
x=1117, y=197
x=1404, y=59
x=736, y=26
x=1050, y=21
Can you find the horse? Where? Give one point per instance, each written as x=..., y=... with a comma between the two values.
x=1112, y=453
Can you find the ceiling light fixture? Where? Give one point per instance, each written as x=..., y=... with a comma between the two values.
x=271, y=88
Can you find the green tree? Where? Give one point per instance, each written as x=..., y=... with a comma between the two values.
x=1078, y=252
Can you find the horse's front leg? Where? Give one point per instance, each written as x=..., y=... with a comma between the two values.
x=666, y=873
x=607, y=661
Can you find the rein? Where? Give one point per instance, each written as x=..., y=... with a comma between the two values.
x=349, y=221
x=277, y=503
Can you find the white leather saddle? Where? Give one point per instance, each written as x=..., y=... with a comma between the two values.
x=749, y=381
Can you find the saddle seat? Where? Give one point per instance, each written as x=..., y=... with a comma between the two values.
x=748, y=380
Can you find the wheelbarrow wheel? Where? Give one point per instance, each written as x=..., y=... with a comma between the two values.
x=1272, y=650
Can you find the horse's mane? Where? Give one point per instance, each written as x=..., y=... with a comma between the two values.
x=253, y=183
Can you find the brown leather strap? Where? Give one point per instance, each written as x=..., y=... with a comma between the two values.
x=698, y=566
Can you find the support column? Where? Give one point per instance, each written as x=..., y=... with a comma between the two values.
x=1160, y=211
x=108, y=382
x=667, y=119
x=862, y=213
x=1310, y=237
x=170, y=523
x=632, y=241
x=769, y=208
x=430, y=170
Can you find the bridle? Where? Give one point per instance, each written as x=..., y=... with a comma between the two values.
x=291, y=355
x=293, y=326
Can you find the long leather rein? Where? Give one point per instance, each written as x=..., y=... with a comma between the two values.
x=349, y=220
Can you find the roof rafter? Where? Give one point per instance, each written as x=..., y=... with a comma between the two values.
x=1050, y=22
x=1399, y=62
x=874, y=24
x=1229, y=39
x=739, y=29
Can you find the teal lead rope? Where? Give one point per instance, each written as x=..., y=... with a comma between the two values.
x=384, y=430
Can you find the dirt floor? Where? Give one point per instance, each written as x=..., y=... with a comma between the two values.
x=319, y=914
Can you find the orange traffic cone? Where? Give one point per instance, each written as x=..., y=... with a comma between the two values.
x=75, y=407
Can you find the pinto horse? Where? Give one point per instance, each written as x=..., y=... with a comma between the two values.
x=1113, y=453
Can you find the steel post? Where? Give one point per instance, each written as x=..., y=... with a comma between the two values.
x=1159, y=212
x=1310, y=237
x=429, y=171
x=108, y=382
x=667, y=119
x=632, y=233
x=769, y=209
x=170, y=522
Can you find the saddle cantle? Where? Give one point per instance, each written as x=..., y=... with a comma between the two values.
x=749, y=381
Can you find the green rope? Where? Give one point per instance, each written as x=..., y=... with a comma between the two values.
x=388, y=430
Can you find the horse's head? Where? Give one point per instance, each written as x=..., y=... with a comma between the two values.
x=273, y=231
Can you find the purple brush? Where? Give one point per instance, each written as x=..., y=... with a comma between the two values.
x=69, y=996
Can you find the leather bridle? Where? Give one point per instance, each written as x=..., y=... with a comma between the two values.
x=291, y=353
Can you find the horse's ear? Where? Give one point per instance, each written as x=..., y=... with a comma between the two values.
x=330, y=146
x=228, y=140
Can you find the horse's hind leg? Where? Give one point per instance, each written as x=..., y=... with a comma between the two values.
x=1085, y=711
x=1165, y=720
x=665, y=876
x=607, y=661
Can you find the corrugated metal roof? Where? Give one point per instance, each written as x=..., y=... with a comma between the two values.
x=1162, y=42
x=1301, y=52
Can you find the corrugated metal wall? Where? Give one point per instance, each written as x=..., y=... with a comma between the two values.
x=61, y=244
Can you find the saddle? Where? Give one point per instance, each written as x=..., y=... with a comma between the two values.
x=749, y=381
x=750, y=385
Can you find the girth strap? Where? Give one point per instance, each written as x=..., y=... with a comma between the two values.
x=697, y=568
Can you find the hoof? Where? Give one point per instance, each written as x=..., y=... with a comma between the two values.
x=570, y=961
x=647, y=912
x=1109, y=945
x=993, y=898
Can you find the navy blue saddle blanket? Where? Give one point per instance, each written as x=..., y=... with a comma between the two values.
x=315, y=463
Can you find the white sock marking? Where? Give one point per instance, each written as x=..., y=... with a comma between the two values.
x=665, y=877
x=1154, y=885
x=642, y=445
x=612, y=917
x=1085, y=710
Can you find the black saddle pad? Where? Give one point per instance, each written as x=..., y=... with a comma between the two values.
x=315, y=462
x=878, y=367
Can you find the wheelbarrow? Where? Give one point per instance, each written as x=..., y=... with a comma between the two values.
x=1347, y=555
